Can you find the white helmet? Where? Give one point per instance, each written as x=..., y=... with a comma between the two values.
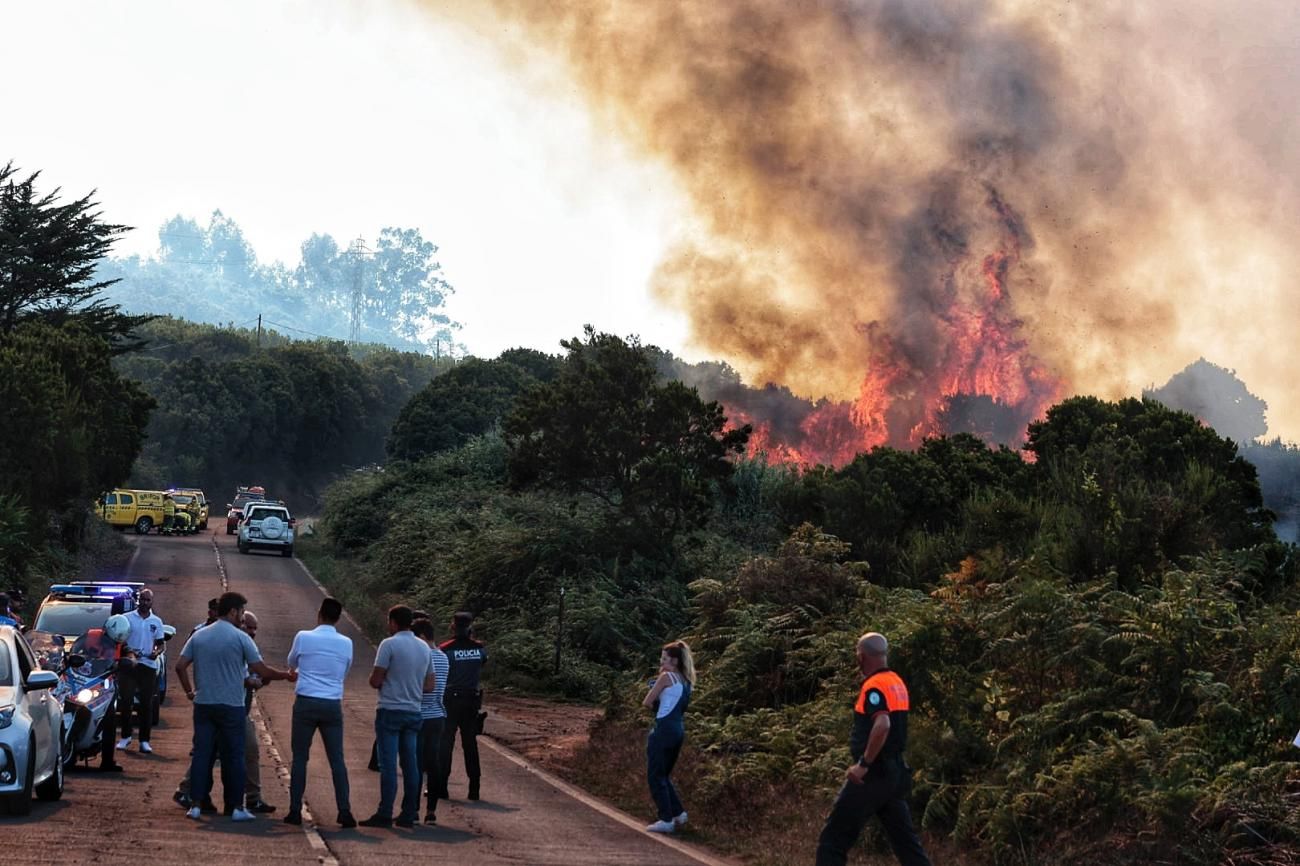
x=118, y=628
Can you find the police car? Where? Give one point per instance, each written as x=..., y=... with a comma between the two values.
x=72, y=610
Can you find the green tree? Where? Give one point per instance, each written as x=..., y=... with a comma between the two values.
x=466, y=401
x=49, y=252
x=73, y=426
x=606, y=427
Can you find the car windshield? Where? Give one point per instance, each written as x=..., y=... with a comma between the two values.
x=181, y=499
x=6, y=670
x=71, y=618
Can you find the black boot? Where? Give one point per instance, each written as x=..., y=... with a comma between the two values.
x=473, y=789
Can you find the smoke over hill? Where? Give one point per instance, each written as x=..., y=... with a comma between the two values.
x=897, y=202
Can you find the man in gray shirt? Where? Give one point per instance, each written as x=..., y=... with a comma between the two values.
x=223, y=655
x=403, y=672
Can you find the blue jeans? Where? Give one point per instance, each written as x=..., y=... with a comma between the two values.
x=218, y=730
x=397, y=738
x=309, y=716
x=661, y=751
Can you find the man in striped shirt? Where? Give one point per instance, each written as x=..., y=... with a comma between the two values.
x=432, y=717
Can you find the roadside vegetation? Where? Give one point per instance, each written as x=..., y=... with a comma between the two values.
x=1100, y=638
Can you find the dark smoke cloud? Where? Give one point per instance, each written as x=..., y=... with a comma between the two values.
x=853, y=165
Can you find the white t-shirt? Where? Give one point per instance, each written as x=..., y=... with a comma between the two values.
x=144, y=632
x=323, y=658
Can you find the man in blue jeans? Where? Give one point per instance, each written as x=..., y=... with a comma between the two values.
x=322, y=658
x=222, y=655
x=403, y=672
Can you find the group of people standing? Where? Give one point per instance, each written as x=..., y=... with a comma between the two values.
x=415, y=679
x=429, y=692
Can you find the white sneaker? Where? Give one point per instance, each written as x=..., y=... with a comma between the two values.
x=661, y=827
x=193, y=813
x=242, y=815
x=148, y=750
x=680, y=820
x=123, y=743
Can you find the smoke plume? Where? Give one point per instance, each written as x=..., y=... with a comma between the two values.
x=902, y=202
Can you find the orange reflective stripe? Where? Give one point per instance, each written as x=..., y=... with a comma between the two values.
x=890, y=685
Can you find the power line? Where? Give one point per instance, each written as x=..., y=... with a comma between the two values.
x=301, y=331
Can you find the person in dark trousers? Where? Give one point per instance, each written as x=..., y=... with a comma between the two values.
x=879, y=780
x=403, y=672
x=463, y=699
x=222, y=656
x=433, y=716
x=669, y=696
x=140, y=680
x=322, y=657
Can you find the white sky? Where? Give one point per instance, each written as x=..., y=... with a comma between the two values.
x=294, y=116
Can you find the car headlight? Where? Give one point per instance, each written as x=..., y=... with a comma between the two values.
x=85, y=696
x=7, y=715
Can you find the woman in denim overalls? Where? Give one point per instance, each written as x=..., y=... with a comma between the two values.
x=669, y=696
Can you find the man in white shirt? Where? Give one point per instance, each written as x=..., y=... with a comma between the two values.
x=144, y=644
x=322, y=658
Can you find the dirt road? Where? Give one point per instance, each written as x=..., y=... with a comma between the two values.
x=525, y=816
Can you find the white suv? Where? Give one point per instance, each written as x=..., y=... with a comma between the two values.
x=267, y=525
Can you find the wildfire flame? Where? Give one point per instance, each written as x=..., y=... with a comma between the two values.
x=983, y=355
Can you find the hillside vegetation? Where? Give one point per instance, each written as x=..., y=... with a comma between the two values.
x=1100, y=637
x=290, y=415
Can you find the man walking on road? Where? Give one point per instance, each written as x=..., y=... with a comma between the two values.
x=403, y=672
x=432, y=717
x=222, y=655
x=463, y=699
x=141, y=679
x=322, y=658
x=879, y=779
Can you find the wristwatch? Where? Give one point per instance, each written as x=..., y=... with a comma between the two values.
x=862, y=761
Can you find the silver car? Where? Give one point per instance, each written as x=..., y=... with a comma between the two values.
x=31, y=727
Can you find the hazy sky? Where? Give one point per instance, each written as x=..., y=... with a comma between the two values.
x=341, y=117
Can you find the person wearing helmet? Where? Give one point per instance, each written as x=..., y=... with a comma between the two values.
x=106, y=643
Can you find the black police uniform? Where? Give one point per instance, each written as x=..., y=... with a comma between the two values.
x=463, y=698
x=886, y=784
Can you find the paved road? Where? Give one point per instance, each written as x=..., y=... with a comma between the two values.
x=522, y=819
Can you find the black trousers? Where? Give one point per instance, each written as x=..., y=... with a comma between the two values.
x=141, y=680
x=431, y=759
x=881, y=793
x=462, y=715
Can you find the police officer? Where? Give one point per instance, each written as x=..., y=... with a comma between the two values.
x=462, y=699
x=879, y=779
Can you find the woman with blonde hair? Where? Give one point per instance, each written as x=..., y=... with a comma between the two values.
x=670, y=694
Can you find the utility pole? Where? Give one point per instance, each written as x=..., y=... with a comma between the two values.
x=358, y=251
x=559, y=632
x=259, y=330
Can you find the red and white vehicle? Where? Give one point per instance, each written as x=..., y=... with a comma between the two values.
x=235, y=508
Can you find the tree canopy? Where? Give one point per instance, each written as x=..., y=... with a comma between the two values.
x=49, y=255
x=607, y=427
